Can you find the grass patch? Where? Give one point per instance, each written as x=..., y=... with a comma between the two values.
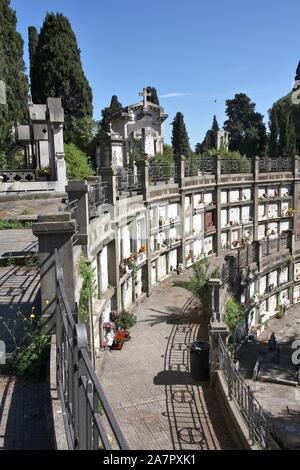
x=14, y=224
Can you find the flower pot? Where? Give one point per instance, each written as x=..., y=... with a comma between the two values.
x=117, y=346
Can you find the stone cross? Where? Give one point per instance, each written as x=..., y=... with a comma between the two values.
x=146, y=95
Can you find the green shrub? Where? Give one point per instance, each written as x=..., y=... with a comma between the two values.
x=125, y=320
x=78, y=165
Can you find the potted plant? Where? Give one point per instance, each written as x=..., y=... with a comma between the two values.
x=125, y=320
x=118, y=341
x=43, y=174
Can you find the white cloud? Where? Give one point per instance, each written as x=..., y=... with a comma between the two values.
x=174, y=95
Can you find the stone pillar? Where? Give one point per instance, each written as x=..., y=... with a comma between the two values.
x=218, y=169
x=55, y=232
x=113, y=253
x=180, y=169
x=78, y=194
x=296, y=166
x=147, y=278
x=109, y=176
x=143, y=168
x=215, y=286
x=216, y=330
x=255, y=197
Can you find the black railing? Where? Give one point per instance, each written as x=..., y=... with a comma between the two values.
x=88, y=418
x=162, y=173
x=250, y=409
x=128, y=180
x=269, y=164
x=97, y=196
x=73, y=208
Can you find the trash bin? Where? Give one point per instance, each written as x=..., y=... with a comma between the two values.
x=199, y=360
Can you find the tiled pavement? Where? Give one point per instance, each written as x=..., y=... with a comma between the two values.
x=148, y=383
x=25, y=422
x=24, y=406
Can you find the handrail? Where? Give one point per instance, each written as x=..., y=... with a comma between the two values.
x=88, y=417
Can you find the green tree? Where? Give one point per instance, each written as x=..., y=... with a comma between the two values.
x=85, y=131
x=215, y=126
x=107, y=113
x=274, y=132
x=289, y=146
x=247, y=131
x=33, y=39
x=180, y=139
x=58, y=72
x=297, y=77
x=233, y=318
x=154, y=97
x=12, y=72
x=78, y=165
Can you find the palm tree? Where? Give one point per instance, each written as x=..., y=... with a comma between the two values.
x=197, y=283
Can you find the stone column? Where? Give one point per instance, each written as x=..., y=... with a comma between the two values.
x=215, y=286
x=109, y=176
x=113, y=254
x=216, y=330
x=143, y=168
x=255, y=197
x=78, y=194
x=55, y=232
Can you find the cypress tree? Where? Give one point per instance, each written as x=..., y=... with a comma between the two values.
x=180, y=139
x=215, y=126
x=289, y=145
x=13, y=67
x=33, y=39
x=274, y=132
x=107, y=113
x=297, y=77
x=57, y=71
x=154, y=97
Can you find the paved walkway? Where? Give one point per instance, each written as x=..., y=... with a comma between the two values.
x=25, y=422
x=25, y=415
x=17, y=241
x=148, y=383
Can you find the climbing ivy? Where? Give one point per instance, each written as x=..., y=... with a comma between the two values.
x=88, y=290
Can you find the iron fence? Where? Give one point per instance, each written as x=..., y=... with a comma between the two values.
x=97, y=196
x=224, y=273
x=273, y=245
x=200, y=166
x=88, y=418
x=73, y=208
x=162, y=173
x=238, y=390
x=247, y=255
x=128, y=180
x=271, y=164
x=232, y=165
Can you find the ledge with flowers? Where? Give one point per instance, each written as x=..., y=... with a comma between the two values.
x=116, y=332
x=133, y=263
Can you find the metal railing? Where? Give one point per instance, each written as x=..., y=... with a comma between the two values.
x=200, y=166
x=232, y=165
x=88, y=418
x=162, y=173
x=271, y=164
x=97, y=196
x=273, y=245
x=247, y=255
x=73, y=208
x=242, y=394
x=128, y=180
x=224, y=273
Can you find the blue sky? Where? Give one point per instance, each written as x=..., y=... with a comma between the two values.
x=202, y=52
